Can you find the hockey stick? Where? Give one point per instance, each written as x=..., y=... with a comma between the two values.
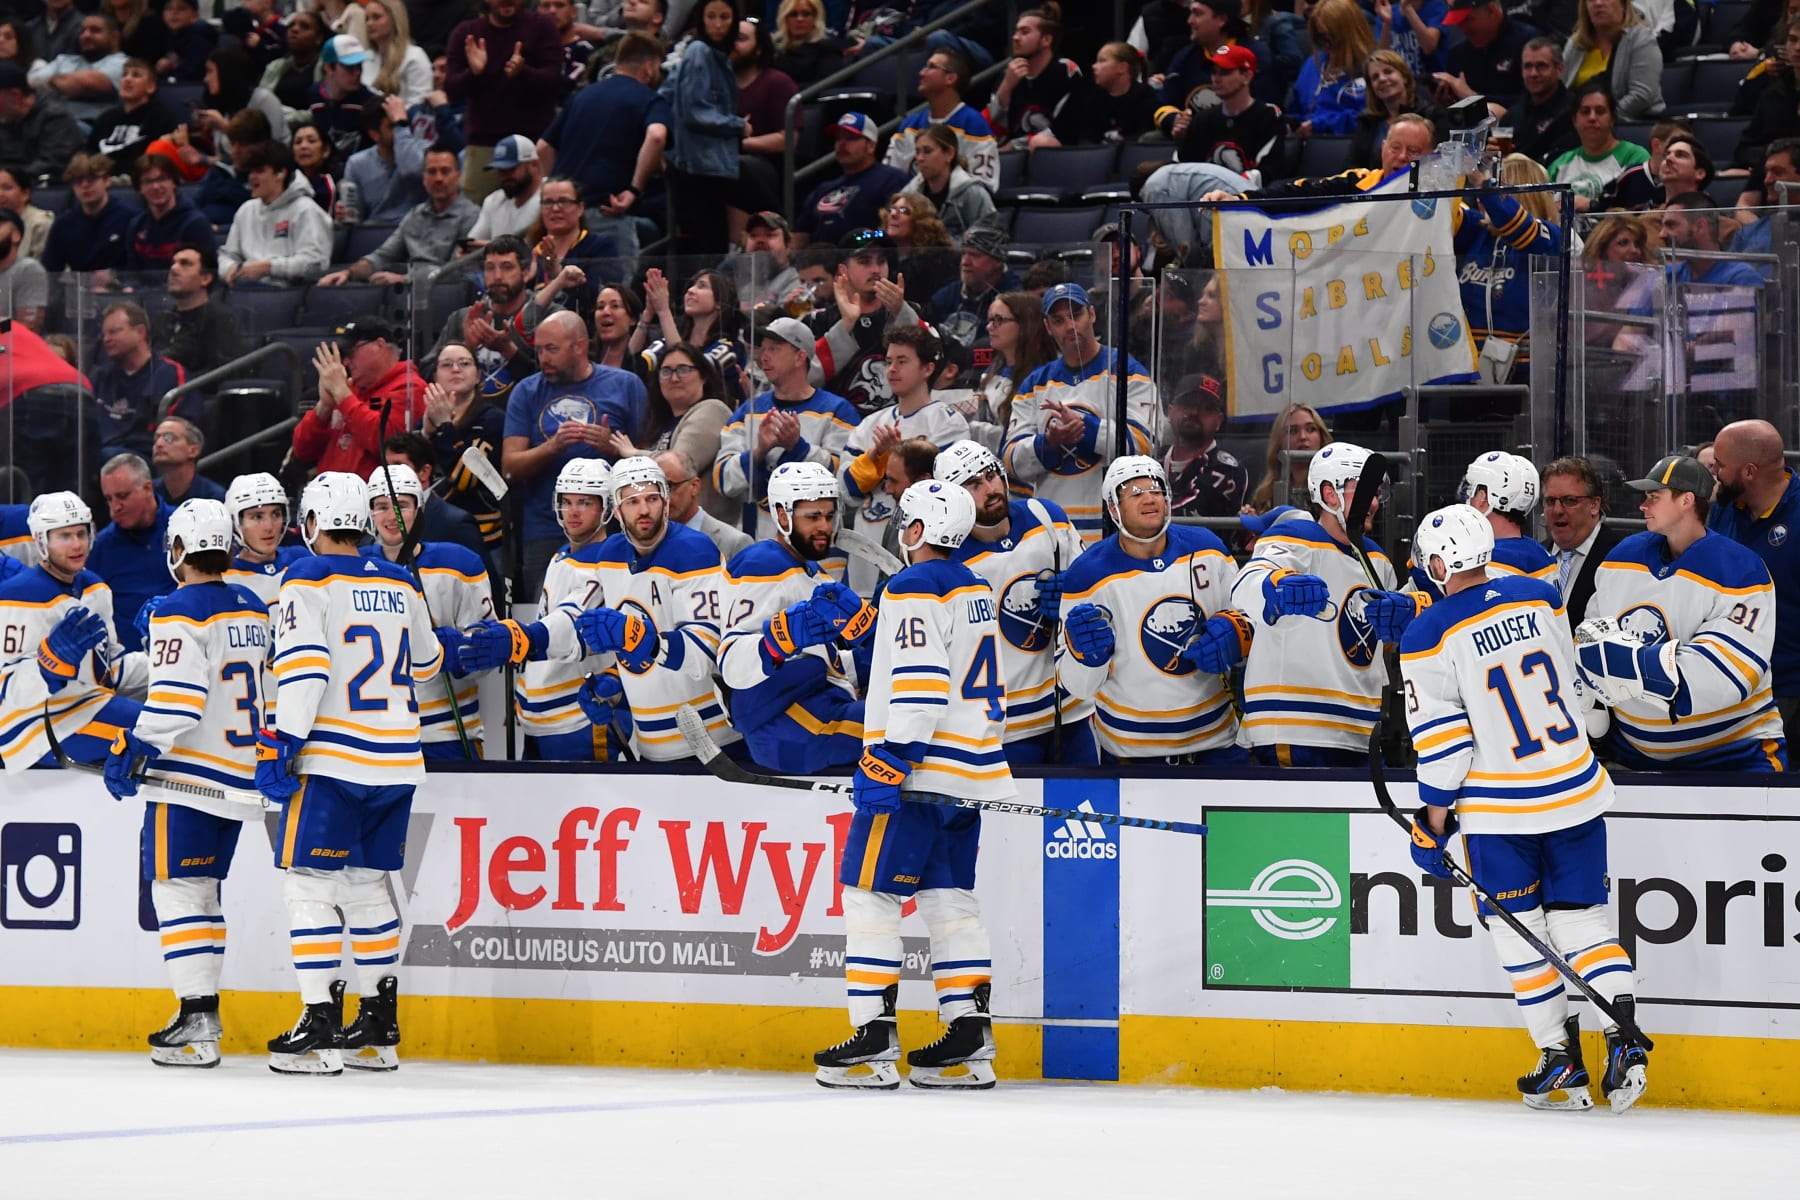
x=1041, y=515
x=1378, y=776
x=693, y=730
x=234, y=804
x=860, y=545
x=477, y=464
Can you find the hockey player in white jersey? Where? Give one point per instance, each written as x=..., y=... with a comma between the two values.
x=18, y=549
x=352, y=646
x=1062, y=435
x=1148, y=628
x=1493, y=702
x=789, y=633
x=58, y=650
x=1314, y=673
x=258, y=506
x=454, y=581
x=936, y=710
x=207, y=644
x=1023, y=560
x=1505, y=488
x=1678, y=637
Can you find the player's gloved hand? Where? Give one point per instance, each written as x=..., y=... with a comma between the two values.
x=1620, y=667
x=9, y=567
x=1428, y=848
x=60, y=653
x=1288, y=593
x=878, y=778
x=129, y=754
x=602, y=701
x=1389, y=613
x=275, y=755
x=1050, y=594
x=451, y=640
x=1089, y=634
x=1594, y=713
x=852, y=617
x=795, y=628
x=1221, y=643
x=629, y=635
x=489, y=644
x=142, y=622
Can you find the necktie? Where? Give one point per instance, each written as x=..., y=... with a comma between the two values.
x=1565, y=568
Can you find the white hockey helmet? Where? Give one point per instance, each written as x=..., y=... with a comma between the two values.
x=1122, y=471
x=1458, y=536
x=56, y=510
x=405, y=483
x=965, y=461
x=199, y=525
x=1511, y=482
x=252, y=491
x=1339, y=464
x=795, y=483
x=945, y=509
x=638, y=471
x=583, y=477
x=334, y=502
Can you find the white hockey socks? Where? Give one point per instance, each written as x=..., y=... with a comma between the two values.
x=315, y=931
x=872, y=950
x=960, y=957
x=1536, y=985
x=374, y=926
x=1585, y=937
x=193, y=933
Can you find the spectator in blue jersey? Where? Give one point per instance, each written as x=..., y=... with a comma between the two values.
x=93, y=231
x=179, y=444
x=1413, y=29
x=568, y=410
x=1781, y=165
x=129, y=554
x=853, y=200
x=1328, y=95
x=1495, y=245
x=339, y=98
x=130, y=381
x=942, y=81
x=168, y=220
x=1212, y=25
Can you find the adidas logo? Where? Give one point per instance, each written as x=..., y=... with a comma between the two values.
x=1081, y=839
x=1491, y=595
x=369, y=565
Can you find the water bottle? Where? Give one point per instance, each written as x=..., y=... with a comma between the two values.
x=350, y=196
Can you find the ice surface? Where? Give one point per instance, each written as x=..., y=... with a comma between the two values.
x=82, y=1125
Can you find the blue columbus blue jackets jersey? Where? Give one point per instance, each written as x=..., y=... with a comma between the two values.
x=760, y=582
x=208, y=643
x=1774, y=537
x=1490, y=691
x=1512, y=556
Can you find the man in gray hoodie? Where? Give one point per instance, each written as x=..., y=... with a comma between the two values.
x=280, y=234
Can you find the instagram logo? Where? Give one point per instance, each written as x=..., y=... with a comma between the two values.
x=40, y=876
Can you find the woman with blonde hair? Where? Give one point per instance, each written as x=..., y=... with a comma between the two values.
x=142, y=33
x=942, y=176
x=1613, y=259
x=804, y=51
x=1613, y=44
x=395, y=66
x=928, y=255
x=1298, y=429
x=1496, y=252
x=1392, y=90
x=346, y=16
x=1328, y=95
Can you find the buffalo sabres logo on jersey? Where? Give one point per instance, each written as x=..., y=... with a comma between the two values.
x=574, y=407
x=877, y=508
x=1646, y=622
x=1168, y=627
x=1778, y=535
x=1021, y=617
x=1355, y=635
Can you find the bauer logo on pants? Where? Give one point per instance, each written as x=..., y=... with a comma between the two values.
x=1277, y=914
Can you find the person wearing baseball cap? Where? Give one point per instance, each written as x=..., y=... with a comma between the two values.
x=1213, y=26
x=341, y=98
x=360, y=374
x=1230, y=145
x=1679, y=634
x=960, y=309
x=765, y=270
x=513, y=206
x=1205, y=480
x=1489, y=58
x=853, y=200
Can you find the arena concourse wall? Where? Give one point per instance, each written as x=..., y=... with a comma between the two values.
x=672, y=920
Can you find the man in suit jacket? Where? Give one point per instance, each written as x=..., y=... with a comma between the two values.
x=684, y=505
x=440, y=521
x=1573, y=506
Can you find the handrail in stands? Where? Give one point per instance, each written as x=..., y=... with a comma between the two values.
x=226, y=371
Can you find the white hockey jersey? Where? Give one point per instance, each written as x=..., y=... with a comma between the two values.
x=352, y=645
x=1011, y=566
x=544, y=690
x=1072, y=476
x=759, y=583
x=208, y=645
x=264, y=579
x=1490, y=690
x=826, y=420
x=1311, y=682
x=1718, y=602
x=32, y=603
x=457, y=593
x=937, y=690
x=678, y=587
x=869, y=509
x=1148, y=703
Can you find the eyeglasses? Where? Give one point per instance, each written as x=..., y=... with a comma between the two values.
x=899, y=208
x=559, y=202
x=171, y=436
x=1566, y=501
x=677, y=371
x=993, y=321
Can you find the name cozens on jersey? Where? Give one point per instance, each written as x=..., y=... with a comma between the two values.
x=378, y=600
x=1502, y=633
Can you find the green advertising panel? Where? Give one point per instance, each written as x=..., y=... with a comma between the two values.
x=1277, y=899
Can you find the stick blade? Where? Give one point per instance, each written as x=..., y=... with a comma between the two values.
x=482, y=468
x=694, y=733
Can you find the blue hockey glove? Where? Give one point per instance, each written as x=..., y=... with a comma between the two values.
x=628, y=635
x=1428, y=848
x=275, y=755
x=1221, y=645
x=878, y=779
x=1050, y=594
x=129, y=754
x=489, y=644
x=9, y=567
x=852, y=617
x=451, y=640
x=60, y=654
x=145, y=611
x=1090, y=635
x=1389, y=613
x=1290, y=594
x=602, y=701
x=795, y=628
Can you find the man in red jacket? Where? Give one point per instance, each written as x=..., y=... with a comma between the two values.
x=346, y=430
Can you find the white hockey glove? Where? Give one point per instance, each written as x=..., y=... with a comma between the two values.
x=1621, y=666
x=1594, y=713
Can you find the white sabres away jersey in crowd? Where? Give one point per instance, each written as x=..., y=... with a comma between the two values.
x=826, y=420
x=1311, y=682
x=208, y=644
x=15, y=535
x=974, y=141
x=352, y=644
x=544, y=690
x=32, y=603
x=1718, y=603
x=762, y=580
x=678, y=588
x=1490, y=691
x=264, y=579
x=1512, y=556
x=1071, y=476
x=457, y=593
x=1148, y=702
x=868, y=505
x=1027, y=657
x=937, y=690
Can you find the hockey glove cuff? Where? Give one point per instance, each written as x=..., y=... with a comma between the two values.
x=1222, y=644
x=879, y=775
x=602, y=701
x=1428, y=848
x=63, y=649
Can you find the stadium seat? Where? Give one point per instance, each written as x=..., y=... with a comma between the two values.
x=1720, y=136
x=260, y=308
x=1132, y=155
x=304, y=340
x=1635, y=132
x=52, y=199
x=1724, y=192
x=1321, y=156
x=1676, y=78
x=365, y=239
x=1714, y=86
x=1072, y=170
x=331, y=307
x=176, y=97
x=1057, y=226
x=1719, y=22
x=1012, y=167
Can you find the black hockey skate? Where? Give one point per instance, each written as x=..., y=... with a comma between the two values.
x=875, y=1045
x=1627, y=1062
x=314, y=1046
x=968, y=1043
x=1559, y=1069
x=372, y=1041
x=191, y=1038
